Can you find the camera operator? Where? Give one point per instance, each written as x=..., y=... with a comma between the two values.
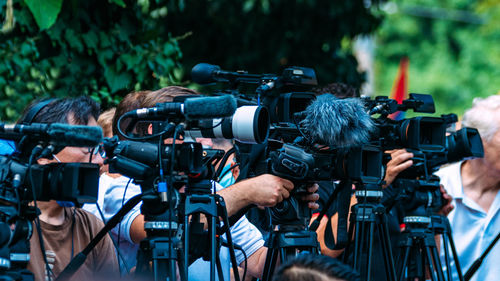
x=263, y=191
x=474, y=186
x=63, y=230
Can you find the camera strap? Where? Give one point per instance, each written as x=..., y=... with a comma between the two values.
x=341, y=195
x=477, y=263
x=80, y=258
x=343, y=204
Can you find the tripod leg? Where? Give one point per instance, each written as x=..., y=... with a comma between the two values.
x=219, y=267
x=455, y=255
x=271, y=258
x=186, y=246
x=446, y=256
x=213, y=246
x=357, y=245
x=387, y=249
x=370, y=249
x=432, y=269
x=406, y=254
x=180, y=265
x=437, y=261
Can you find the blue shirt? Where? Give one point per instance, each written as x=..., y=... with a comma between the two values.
x=473, y=229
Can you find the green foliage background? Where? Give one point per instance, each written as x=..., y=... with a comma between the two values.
x=97, y=48
x=108, y=48
x=265, y=36
x=452, y=60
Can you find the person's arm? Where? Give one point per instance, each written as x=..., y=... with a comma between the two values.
x=263, y=191
x=137, y=232
x=256, y=262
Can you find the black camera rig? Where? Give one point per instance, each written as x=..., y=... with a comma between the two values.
x=22, y=181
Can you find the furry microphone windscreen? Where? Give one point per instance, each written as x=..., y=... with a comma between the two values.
x=337, y=122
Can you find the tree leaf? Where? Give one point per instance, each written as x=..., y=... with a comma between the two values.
x=118, y=2
x=44, y=11
x=116, y=81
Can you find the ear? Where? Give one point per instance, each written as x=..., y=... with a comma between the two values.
x=150, y=129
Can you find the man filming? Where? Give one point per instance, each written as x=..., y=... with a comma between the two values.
x=263, y=191
x=61, y=230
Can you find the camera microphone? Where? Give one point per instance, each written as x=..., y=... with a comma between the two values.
x=192, y=108
x=57, y=133
x=204, y=73
x=337, y=122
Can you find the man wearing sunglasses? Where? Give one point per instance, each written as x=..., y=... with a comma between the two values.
x=61, y=231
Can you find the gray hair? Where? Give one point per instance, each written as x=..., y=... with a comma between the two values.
x=482, y=116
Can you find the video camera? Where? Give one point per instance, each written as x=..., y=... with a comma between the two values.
x=22, y=181
x=289, y=153
x=162, y=164
x=426, y=138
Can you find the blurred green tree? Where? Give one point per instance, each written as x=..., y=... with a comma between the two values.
x=108, y=48
x=98, y=48
x=452, y=47
x=265, y=36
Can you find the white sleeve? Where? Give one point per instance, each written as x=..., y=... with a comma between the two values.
x=246, y=235
x=116, y=195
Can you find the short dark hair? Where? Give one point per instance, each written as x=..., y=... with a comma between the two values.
x=339, y=90
x=306, y=267
x=130, y=102
x=79, y=109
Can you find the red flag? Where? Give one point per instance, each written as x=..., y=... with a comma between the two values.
x=400, y=87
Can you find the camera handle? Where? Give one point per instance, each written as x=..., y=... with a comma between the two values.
x=80, y=258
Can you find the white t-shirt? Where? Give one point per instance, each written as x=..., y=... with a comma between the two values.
x=243, y=232
x=115, y=193
x=473, y=229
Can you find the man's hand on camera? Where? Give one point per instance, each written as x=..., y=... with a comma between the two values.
x=268, y=190
x=263, y=191
x=312, y=197
x=400, y=161
x=447, y=206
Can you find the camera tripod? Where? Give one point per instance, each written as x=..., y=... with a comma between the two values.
x=419, y=258
x=419, y=251
x=441, y=226
x=289, y=238
x=369, y=214
x=170, y=243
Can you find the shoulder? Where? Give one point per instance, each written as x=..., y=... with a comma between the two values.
x=87, y=219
